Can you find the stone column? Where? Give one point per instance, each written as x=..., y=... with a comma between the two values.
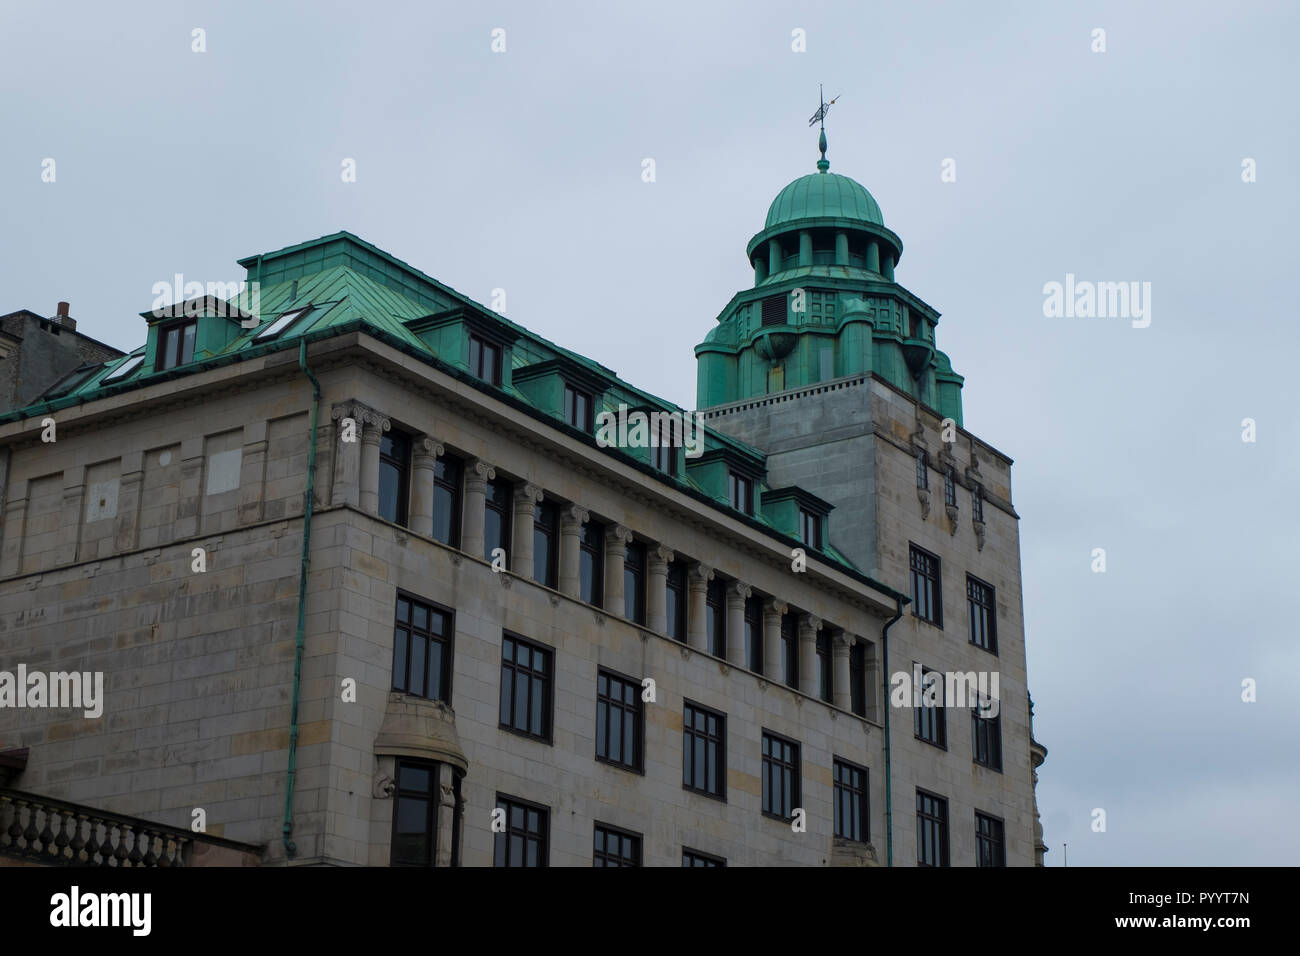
x=808, y=628
x=527, y=497
x=126, y=528
x=772, y=665
x=424, y=458
x=841, y=690
x=477, y=474
x=572, y=519
x=737, y=594
x=656, y=602
x=372, y=431
x=617, y=539
x=346, y=489
x=697, y=607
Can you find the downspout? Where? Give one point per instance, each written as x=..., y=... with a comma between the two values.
x=309, y=497
x=889, y=783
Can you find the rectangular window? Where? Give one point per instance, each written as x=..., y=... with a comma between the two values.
x=949, y=488
x=615, y=847
x=664, y=458
x=858, y=678
x=577, y=408
x=742, y=493
x=931, y=830
x=591, y=563
x=977, y=504
x=618, y=721
x=496, y=518
x=986, y=739
x=446, y=501
x=176, y=344
x=280, y=324
x=546, y=543
x=922, y=472
x=824, y=664
x=754, y=634
x=634, y=583
x=991, y=848
x=983, y=612
x=926, y=601
x=851, y=820
x=810, y=529
x=422, y=637
x=526, y=682
x=525, y=838
x=676, y=601
x=485, y=360
x=394, y=476
x=124, y=369
x=790, y=648
x=704, y=752
x=715, y=617
x=931, y=721
x=780, y=776
x=696, y=858
x=415, y=809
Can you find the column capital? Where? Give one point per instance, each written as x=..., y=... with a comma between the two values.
x=373, y=426
x=740, y=589
x=773, y=606
x=574, y=517
x=617, y=534
x=477, y=470
x=527, y=497
x=809, y=624
x=842, y=639
x=426, y=447
x=700, y=575
x=660, y=558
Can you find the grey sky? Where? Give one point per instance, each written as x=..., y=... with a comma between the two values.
x=522, y=171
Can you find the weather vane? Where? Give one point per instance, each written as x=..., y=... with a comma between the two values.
x=820, y=115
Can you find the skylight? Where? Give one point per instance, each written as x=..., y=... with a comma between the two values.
x=125, y=369
x=69, y=382
x=280, y=324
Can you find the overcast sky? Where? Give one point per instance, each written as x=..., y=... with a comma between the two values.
x=522, y=170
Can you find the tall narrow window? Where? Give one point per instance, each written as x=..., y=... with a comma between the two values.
x=926, y=602
x=780, y=776
x=415, y=812
x=851, y=820
x=931, y=830
x=676, y=601
x=546, y=543
x=922, y=472
x=446, y=501
x=577, y=408
x=977, y=503
x=496, y=518
x=485, y=360
x=983, y=613
x=790, y=647
x=742, y=493
x=858, y=678
x=949, y=488
x=615, y=847
x=667, y=434
x=986, y=738
x=754, y=634
x=824, y=664
x=394, y=476
x=526, y=682
x=176, y=344
x=931, y=722
x=664, y=458
x=704, y=754
x=715, y=617
x=810, y=529
x=422, y=637
x=634, y=583
x=618, y=721
x=524, y=841
x=991, y=847
x=591, y=563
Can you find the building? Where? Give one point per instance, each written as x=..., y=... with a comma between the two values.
x=40, y=354
x=368, y=584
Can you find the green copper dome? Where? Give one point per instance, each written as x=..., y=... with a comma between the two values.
x=823, y=194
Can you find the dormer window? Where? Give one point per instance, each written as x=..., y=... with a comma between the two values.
x=176, y=344
x=577, y=408
x=742, y=493
x=810, y=529
x=485, y=360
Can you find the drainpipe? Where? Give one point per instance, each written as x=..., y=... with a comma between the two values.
x=309, y=496
x=889, y=784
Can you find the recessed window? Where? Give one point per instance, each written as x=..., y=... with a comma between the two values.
x=696, y=858
x=810, y=529
x=422, y=639
x=496, y=518
x=824, y=664
x=715, y=617
x=754, y=634
x=742, y=493
x=123, y=370
x=926, y=603
x=485, y=360
x=982, y=608
x=666, y=436
x=851, y=820
x=704, y=752
x=415, y=814
x=634, y=583
x=526, y=682
x=591, y=563
x=619, y=727
x=280, y=324
x=949, y=489
x=977, y=504
x=790, y=647
x=176, y=344
x=858, y=678
x=546, y=542
x=676, y=601
x=780, y=776
x=446, y=501
x=577, y=408
x=524, y=842
x=986, y=738
x=922, y=472
x=394, y=476
x=991, y=846
x=931, y=723
x=615, y=847
x=931, y=830
x=664, y=458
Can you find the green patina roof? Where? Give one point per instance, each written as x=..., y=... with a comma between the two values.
x=823, y=195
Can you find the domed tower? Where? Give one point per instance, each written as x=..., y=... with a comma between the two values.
x=824, y=304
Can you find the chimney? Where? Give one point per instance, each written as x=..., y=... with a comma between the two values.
x=64, y=319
